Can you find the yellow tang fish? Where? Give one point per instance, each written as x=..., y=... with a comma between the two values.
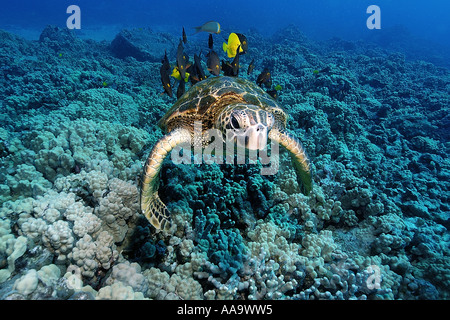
x=233, y=44
x=176, y=74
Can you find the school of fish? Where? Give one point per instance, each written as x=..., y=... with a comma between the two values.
x=184, y=71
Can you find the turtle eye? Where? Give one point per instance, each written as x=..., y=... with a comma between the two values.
x=234, y=122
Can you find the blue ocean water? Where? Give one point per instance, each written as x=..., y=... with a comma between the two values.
x=420, y=21
x=79, y=112
x=322, y=19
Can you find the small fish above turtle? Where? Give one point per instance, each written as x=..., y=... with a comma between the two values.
x=222, y=103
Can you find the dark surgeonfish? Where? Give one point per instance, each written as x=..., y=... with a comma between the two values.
x=264, y=78
x=181, y=60
x=181, y=88
x=165, y=61
x=244, y=43
x=235, y=63
x=210, y=41
x=227, y=68
x=231, y=69
x=193, y=76
x=184, y=36
x=273, y=93
x=165, y=77
x=251, y=66
x=198, y=68
x=213, y=63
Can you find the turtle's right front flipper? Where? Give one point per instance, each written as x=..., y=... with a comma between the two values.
x=151, y=205
x=299, y=157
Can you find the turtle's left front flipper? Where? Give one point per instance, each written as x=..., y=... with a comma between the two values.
x=151, y=205
x=299, y=157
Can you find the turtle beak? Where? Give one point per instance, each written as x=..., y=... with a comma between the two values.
x=258, y=131
x=257, y=137
x=253, y=138
x=252, y=130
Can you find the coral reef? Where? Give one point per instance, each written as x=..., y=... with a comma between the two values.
x=78, y=118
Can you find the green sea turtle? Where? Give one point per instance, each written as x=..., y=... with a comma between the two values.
x=223, y=103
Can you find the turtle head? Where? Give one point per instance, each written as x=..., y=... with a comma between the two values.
x=248, y=125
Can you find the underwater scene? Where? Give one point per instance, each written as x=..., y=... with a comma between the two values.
x=233, y=150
